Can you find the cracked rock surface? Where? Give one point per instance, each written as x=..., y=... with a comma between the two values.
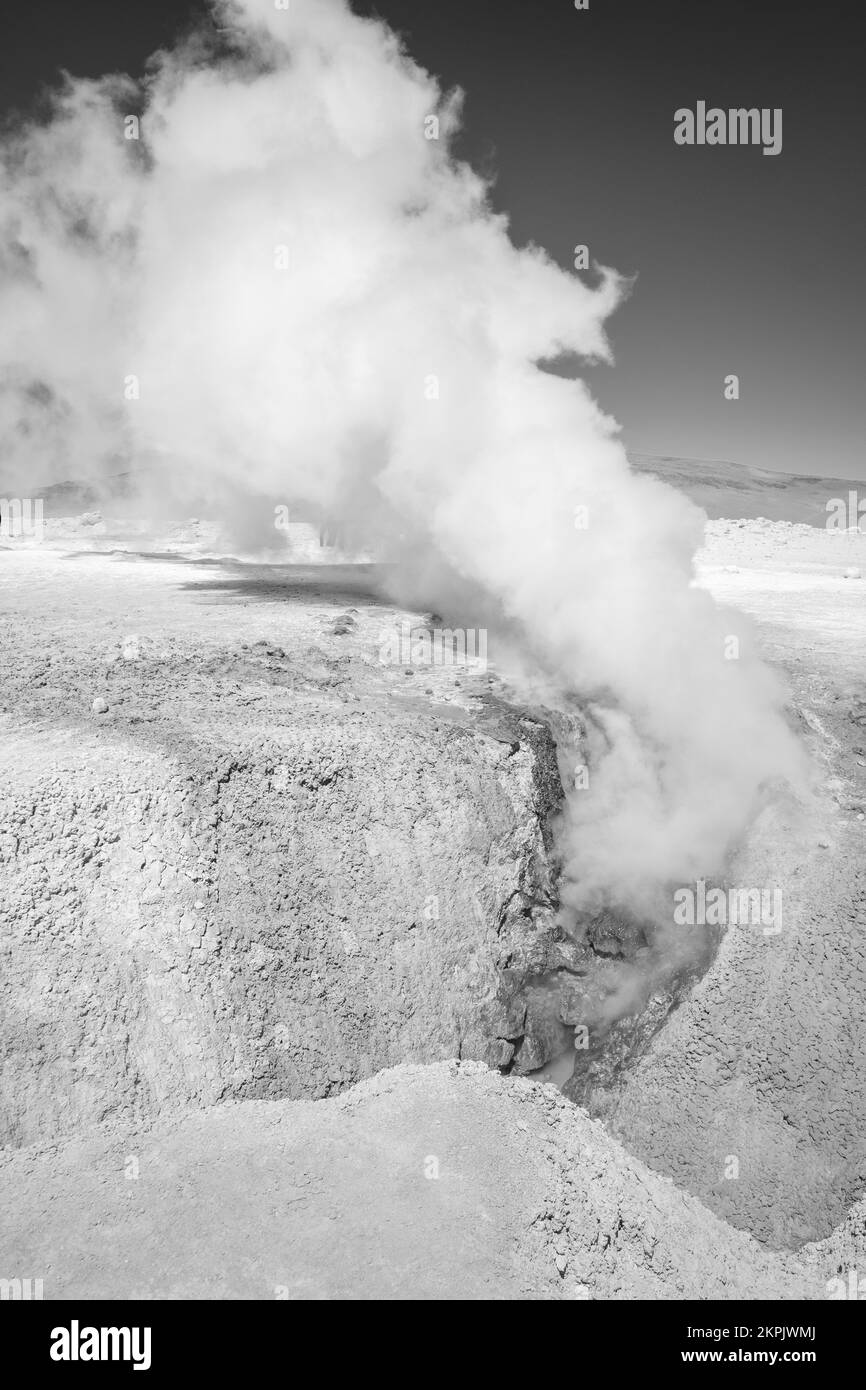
x=265, y=871
x=247, y=867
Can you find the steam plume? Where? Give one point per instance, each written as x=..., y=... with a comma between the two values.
x=317, y=303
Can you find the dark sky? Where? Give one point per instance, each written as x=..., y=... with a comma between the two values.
x=745, y=263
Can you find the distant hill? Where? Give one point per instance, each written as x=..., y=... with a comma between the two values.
x=733, y=490
x=723, y=490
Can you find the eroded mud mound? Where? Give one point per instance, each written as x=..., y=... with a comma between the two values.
x=425, y=1182
x=245, y=859
x=279, y=919
x=265, y=866
x=754, y=1095
x=264, y=869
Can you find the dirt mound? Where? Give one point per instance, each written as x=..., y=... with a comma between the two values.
x=425, y=1182
x=263, y=870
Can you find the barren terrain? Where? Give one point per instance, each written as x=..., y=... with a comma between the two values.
x=259, y=888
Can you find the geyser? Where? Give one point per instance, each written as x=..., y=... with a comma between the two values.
x=284, y=287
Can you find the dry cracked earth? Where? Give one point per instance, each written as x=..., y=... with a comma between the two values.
x=282, y=983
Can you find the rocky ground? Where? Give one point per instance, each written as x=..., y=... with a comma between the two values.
x=445, y=1181
x=244, y=858
x=248, y=867
x=765, y=1061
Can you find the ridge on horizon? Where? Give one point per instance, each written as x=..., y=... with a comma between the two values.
x=642, y=456
x=736, y=490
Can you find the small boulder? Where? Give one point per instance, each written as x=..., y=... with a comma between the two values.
x=498, y=1053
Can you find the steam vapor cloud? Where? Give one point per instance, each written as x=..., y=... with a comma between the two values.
x=285, y=262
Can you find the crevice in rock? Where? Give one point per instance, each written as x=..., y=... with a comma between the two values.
x=582, y=1006
x=285, y=917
